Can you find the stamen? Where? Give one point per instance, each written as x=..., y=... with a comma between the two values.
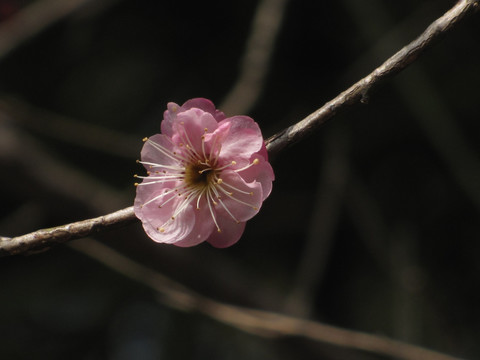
x=234, y=188
x=254, y=162
x=226, y=166
x=162, y=179
x=166, y=152
x=152, y=200
x=199, y=197
x=237, y=200
x=212, y=151
x=179, y=209
x=189, y=145
x=154, y=165
x=208, y=196
x=202, y=171
x=184, y=203
x=184, y=157
x=166, y=176
x=223, y=205
x=203, y=146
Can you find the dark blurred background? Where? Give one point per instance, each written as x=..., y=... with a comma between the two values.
x=373, y=223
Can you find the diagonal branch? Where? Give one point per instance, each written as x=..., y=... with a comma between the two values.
x=357, y=93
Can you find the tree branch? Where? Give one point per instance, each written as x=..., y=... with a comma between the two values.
x=257, y=322
x=358, y=92
x=59, y=234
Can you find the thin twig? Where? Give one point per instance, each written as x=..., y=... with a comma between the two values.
x=358, y=92
x=47, y=237
x=258, y=322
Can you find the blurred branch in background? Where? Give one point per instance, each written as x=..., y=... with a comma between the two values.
x=258, y=322
x=104, y=140
x=327, y=204
x=424, y=102
x=358, y=92
x=256, y=59
x=33, y=19
x=19, y=148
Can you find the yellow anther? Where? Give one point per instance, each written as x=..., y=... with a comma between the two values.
x=145, y=139
x=256, y=161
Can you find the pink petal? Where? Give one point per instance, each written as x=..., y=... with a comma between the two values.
x=203, y=228
x=261, y=172
x=153, y=218
x=263, y=152
x=231, y=233
x=245, y=199
x=193, y=133
x=205, y=105
x=173, y=110
x=159, y=149
x=242, y=139
x=169, y=117
x=189, y=127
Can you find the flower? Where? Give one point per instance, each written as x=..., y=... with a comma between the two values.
x=206, y=176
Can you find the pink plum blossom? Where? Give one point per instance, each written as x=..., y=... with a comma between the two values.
x=206, y=176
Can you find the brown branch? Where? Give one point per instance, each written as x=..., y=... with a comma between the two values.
x=257, y=322
x=59, y=234
x=358, y=92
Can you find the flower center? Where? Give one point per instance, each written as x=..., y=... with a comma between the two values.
x=199, y=175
